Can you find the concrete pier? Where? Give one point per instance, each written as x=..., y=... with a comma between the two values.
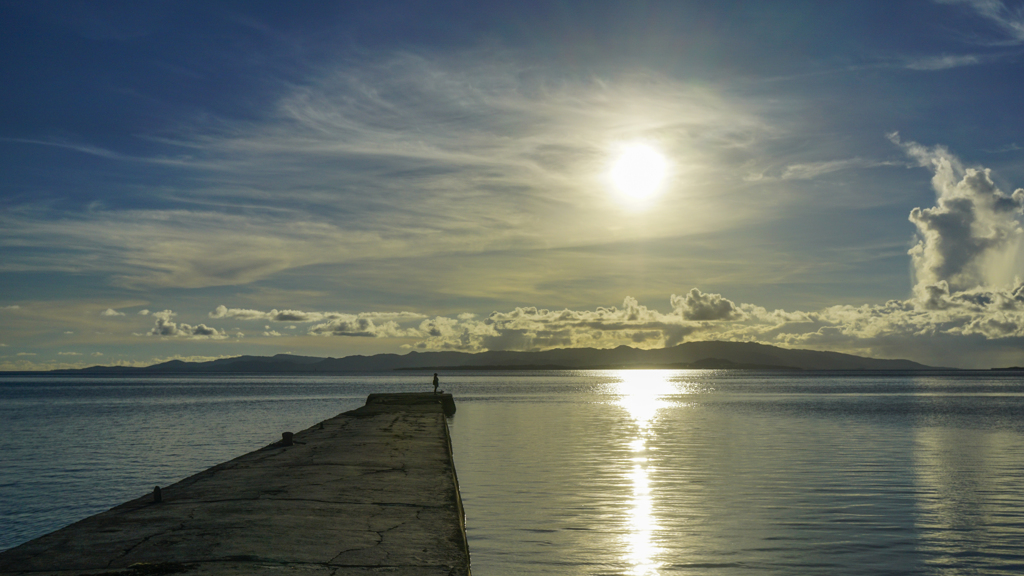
x=371, y=491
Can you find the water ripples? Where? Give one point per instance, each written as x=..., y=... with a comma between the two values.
x=594, y=472
x=665, y=475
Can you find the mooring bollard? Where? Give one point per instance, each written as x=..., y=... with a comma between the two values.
x=157, y=496
x=286, y=438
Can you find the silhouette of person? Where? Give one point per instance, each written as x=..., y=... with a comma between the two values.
x=435, y=382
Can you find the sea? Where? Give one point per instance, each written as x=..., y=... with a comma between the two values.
x=632, y=472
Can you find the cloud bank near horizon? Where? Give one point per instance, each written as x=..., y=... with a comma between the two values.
x=966, y=247
x=696, y=315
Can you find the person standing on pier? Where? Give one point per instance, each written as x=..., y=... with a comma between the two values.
x=435, y=382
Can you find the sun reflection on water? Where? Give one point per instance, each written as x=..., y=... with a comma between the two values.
x=641, y=547
x=642, y=393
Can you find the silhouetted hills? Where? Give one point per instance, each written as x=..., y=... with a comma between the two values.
x=719, y=355
x=705, y=364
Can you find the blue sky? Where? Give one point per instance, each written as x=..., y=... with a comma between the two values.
x=208, y=179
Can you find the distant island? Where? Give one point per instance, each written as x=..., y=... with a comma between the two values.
x=689, y=355
x=705, y=364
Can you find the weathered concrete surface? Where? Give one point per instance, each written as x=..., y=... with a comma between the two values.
x=446, y=400
x=372, y=491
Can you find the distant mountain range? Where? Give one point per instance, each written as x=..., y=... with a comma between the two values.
x=728, y=355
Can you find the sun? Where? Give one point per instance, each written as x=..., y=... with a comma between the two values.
x=638, y=172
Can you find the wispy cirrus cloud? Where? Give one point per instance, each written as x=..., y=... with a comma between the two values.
x=812, y=170
x=108, y=154
x=1009, y=19
x=302, y=316
x=943, y=62
x=402, y=156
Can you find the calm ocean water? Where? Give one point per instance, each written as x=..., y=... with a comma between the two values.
x=593, y=472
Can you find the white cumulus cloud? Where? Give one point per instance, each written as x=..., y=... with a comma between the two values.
x=351, y=325
x=168, y=328
x=972, y=235
x=696, y=305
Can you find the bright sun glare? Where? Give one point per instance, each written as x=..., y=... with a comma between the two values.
x=638, y=172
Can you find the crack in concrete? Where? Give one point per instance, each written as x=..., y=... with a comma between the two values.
x=380, y=540
x=134, y=546
x=144, y=540
x=383, y=470
x=339, y=554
